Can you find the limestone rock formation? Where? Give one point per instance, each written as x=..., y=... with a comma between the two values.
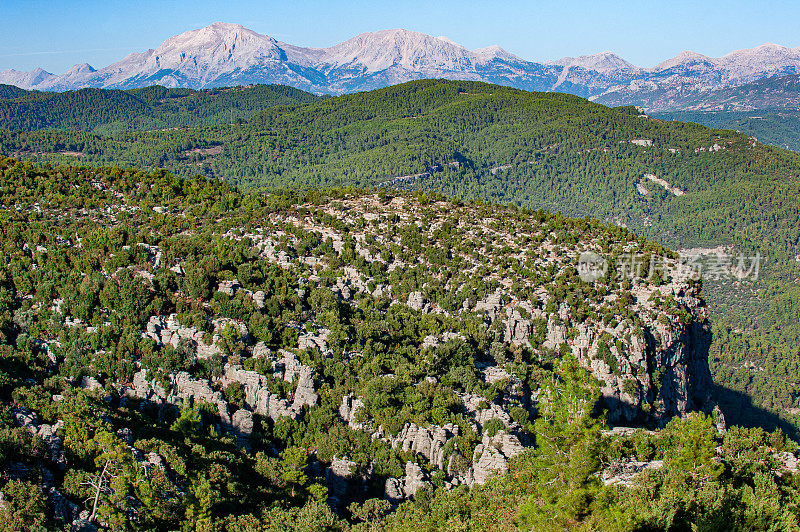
x=491, y=456
x=397, y=489
x=623, y=472
x=416, y=301
x=338, y=476
x=24, y=417
x=348, y=410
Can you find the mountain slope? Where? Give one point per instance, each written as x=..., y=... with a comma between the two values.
x=8, y=92
x=224, y=54
x=680, y=82
x=771, y=93
x=108, y=111
x=547, y=150
x=777, y=127
x=176, y=352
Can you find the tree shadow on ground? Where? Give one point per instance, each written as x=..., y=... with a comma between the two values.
x=740, y=410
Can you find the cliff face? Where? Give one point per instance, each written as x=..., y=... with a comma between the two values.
x=673, y=350
x=651, y=368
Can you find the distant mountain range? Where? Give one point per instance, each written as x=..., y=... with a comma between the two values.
x=224, y=54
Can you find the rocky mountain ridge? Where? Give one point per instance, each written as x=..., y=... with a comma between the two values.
x=649, y=358
x=169, y=341
x=225, y=54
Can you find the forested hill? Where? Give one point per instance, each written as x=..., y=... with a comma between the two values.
x=108, y=111
x=779, y=127
x=176, y=354
x=683, y=185
x=10, y=92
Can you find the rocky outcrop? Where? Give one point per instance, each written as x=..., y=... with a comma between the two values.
x=428, y=442
x=228, y=288
x=491, y=306
x=348, y=411
x=397, y=489
x=314, y=341
x=338, y=477
x=91, y=384
x=169, y=331
x=626, y=358
x=481, y=410
x=623, y=472
x=258, y=399
x=64, y=510
x=242, y=425
x=416, y=301
x=24, y=417
x=491, y=456
x=434, y=341
x=304, y=394
x=349, y=284
x=790, y=461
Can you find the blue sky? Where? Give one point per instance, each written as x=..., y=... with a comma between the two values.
x=57, y=34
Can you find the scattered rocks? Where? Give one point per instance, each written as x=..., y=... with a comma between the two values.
x=625, y=471
x=416, y=301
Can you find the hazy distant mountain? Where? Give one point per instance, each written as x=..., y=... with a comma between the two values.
x=602, y=62
x=768, y=93
x=690, y=76
x=225, y=54
x=25, y=80
x=229, y=54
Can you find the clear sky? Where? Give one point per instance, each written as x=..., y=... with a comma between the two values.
x=58, y=34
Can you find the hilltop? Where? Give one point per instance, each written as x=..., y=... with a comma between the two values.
x=112, y=111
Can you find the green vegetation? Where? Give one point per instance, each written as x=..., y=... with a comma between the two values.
x=550, y=151
x=92, y=255
x=8, y=92
x=106, y=112
x=779, y=127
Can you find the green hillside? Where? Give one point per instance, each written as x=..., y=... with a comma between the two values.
x=111, y=111
x=176, y=354
x=778, y=127
x=8, y=92
x=541, y=150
